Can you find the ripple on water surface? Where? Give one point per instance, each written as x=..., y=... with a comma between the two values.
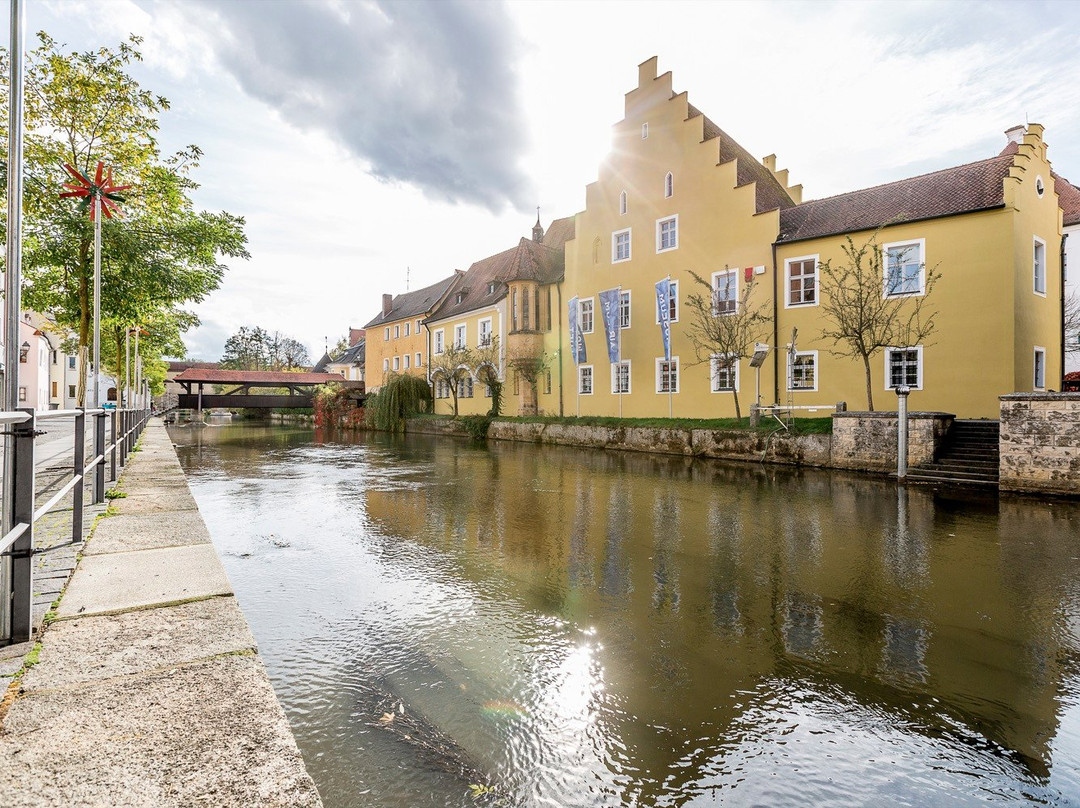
x=569, y=627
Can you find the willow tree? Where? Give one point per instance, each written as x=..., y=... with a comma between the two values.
x=81, y=108
x=868, y=306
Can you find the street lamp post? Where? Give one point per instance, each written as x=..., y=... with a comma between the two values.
x=902, y=393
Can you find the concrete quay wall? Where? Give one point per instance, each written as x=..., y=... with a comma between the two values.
x=148, y=689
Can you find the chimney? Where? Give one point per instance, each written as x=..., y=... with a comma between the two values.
x=1015, y=134
x=387, y=304
x=355, y=335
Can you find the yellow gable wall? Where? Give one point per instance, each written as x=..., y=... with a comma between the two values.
x=479, y=404
x=380, y=348
x=1038, y=317
x=717, y=229
x=966, y=362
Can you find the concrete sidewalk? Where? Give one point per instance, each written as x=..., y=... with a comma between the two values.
x=148, y=689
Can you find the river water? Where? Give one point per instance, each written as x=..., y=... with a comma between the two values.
x=449, y=623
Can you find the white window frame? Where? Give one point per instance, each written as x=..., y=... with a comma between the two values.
x=418, y=326
x=1036, y=275
x=386, y=364
x=397, y=331
x=715, y=288
x=645, y=131
x=1035, y=368
x=888, y=366
x=584, y=371
x=678, y=374
x=675, y=297
x=480, y=331
x=419, y=359
x=625, y=293
x=659, y=227
x=592, y=315
x=397, y=363
x=788, y=304
x=438, y=341
x=386, y=334
x=921, y=242
x=817, y=372
x=461, y=335
x=622, y=204
x=669, y=185
x=629, y=378
x=714, y=372
x=629, y=245
x=407, y=326
x=405, y=362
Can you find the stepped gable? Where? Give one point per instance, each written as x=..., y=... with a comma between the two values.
x=1068, y=198
x=415, y=304
x=769, y=194
x=962, y=189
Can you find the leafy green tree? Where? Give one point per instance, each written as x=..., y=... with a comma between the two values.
x=254, y=348
x=81, y=108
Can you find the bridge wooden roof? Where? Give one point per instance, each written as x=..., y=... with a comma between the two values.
x=255, y=378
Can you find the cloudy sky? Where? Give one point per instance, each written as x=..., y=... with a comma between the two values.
x=369, y=140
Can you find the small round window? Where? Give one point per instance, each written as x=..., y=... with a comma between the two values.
x=1040, y=188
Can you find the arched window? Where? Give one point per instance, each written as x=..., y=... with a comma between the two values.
x=622, y=202
x=669, y=185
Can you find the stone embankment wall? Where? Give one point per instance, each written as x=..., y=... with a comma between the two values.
x=1040, y=443
x=801, y=450
x=867, y=440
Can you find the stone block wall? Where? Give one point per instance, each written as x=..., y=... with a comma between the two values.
x=867, y=440
x=1040, y=443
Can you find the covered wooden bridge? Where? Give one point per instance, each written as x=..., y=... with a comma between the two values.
x=300, y=388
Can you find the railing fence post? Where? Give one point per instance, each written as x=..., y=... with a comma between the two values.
x=123, y=437
x=99, y=451
x=79, y=464
x=112, y=440
x=22, y=559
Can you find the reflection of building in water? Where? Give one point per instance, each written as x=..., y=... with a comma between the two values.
x=704, y=579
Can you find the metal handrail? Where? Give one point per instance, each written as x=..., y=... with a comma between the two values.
x=20, y=491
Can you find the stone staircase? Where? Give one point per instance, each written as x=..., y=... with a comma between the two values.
x=968, y=457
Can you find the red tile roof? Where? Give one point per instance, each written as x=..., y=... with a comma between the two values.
x=769, y=193
x=266, y=377
x=963, y=189
x=415, y=304
x=1068, y=198
x=559, y=232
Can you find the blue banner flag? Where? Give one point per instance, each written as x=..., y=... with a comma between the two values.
x=663, y=310
x=609, y=307
x=577, y=339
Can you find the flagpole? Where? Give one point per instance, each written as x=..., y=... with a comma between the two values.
x=669, y=394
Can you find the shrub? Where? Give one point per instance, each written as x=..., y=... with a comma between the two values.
x=401, y=397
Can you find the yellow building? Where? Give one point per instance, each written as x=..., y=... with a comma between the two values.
x=679, y=196
x=395, y=341
x=501, y=311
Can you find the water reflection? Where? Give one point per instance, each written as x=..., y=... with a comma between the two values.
x=578, y=627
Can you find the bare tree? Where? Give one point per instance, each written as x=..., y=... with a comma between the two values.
x=529, y=366
x=724, y=326
x=866, y=308
x=485, y=362
x=1071, y=323
x=451, y=366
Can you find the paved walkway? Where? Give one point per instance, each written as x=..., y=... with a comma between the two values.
x=148, y=689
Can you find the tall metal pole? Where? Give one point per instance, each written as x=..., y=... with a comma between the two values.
x=137, y=366
x=902, y=431
x=12, y=289
x=127, y=368
x=95, y=399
